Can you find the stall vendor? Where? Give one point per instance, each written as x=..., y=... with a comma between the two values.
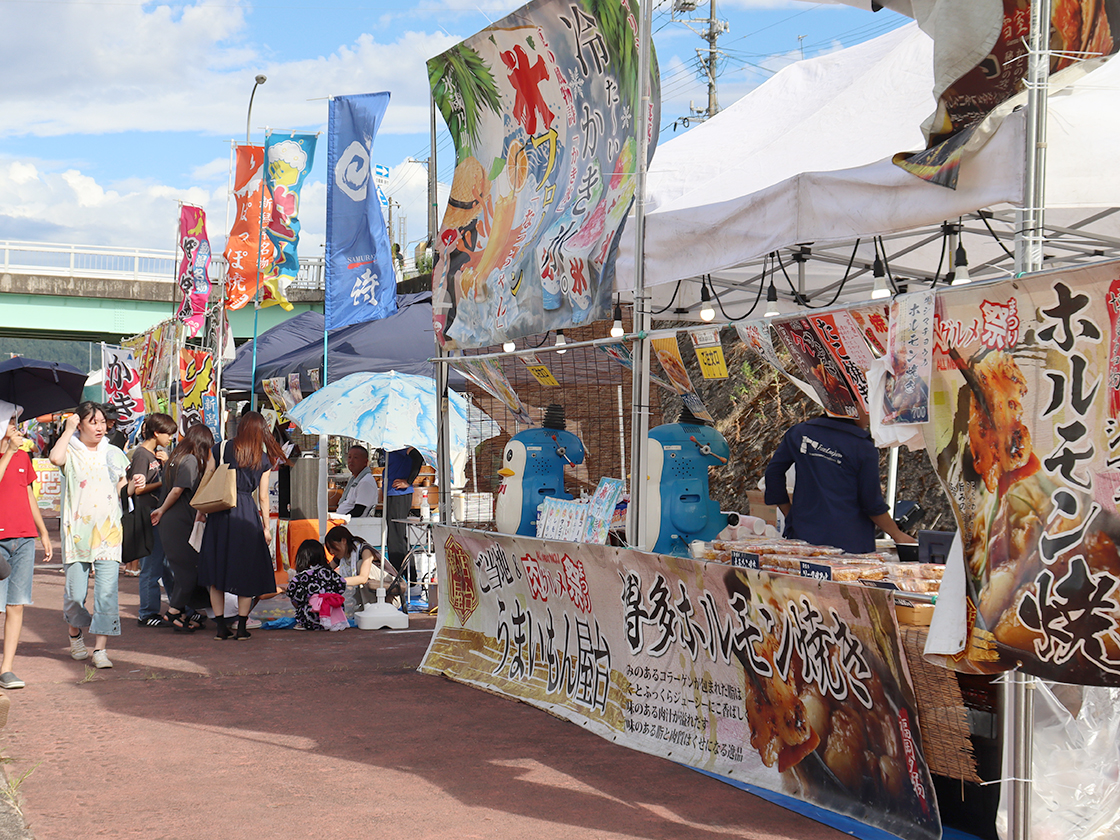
x=401, y=468
x=360, y=494
x=838, y=500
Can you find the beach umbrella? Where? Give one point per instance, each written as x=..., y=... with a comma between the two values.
x=40, y=387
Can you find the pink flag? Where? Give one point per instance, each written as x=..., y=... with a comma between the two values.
x=192, y=276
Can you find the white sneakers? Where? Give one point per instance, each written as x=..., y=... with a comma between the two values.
x=101, y=659
x=78, y=647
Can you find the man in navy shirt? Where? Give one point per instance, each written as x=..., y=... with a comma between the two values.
x=838, y=500
x=401, y=468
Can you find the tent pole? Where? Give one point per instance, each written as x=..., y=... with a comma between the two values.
x=1018, y=692
x=323, y=454
x=639, y=422
x=443, y=404
x=892, y=479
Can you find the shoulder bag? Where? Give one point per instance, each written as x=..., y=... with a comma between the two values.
x=219, y=491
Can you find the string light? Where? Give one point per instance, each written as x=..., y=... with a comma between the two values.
x=560, y=342
x=771, y=302
x=617, y=330
x=880, y=290
x=707, y=313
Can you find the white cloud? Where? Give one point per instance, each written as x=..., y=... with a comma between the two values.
x=216, y=170
x=115, y=68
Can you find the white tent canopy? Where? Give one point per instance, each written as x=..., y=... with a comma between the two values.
x=805, y=159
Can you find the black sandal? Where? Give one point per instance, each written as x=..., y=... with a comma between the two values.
x=179, y=622
x=196, y=621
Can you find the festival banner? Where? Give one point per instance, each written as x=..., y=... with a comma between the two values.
x=792, y=685
x=196, y=379
x=487, y=374
x=193, y=277
x=909, y=359
x=288, y=158
x=669, y=355
x=122, y=385
x=817, y=367
x=987, y=40
x=842, y=339
x=361, y=284
x=621, y=354
x=873, y=322
x=249, y=253
x=542, y=108
x=1027, y=450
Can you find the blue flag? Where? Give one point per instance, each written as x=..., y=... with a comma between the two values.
x=361, y=284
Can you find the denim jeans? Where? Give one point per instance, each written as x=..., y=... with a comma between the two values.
x=19, y=553
x=106, y=619
x=153, y=569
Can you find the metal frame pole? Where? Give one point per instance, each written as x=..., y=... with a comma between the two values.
x=1018, y=690
x=639, y=423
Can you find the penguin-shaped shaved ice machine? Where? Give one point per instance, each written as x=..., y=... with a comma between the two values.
x=679, y=510
x=533, y=470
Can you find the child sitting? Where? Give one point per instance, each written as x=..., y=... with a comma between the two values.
x=317, y=590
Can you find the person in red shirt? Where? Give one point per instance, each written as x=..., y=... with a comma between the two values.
x=20, y=523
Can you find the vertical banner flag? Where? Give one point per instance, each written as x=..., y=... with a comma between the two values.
x=487, y=374
x=543, y=107
x=818, y=367
x=785, y=683
x=361, y=284
x=196, y=378
x=1028, y=452
x=249, y=253
x=288, y=160
x=910, y=358
x=193, y=276
x=669, y=354
x=122, y=385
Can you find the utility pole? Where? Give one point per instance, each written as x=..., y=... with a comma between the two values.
x=709, y=29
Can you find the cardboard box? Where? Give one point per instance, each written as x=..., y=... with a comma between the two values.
x=768, y=513
x=919, y=615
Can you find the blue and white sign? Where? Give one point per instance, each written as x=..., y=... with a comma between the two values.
x=360, y=283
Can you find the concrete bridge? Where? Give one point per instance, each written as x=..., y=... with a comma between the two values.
x=96, y=293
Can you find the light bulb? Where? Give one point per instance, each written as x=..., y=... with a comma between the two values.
x=880, y=289
x=960, y=267
x=560, y=342
x=617, y=330
x=706, y=311
x=771, y=302
x=509, y=346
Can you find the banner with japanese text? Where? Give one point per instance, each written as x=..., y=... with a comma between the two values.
x=817, y=366
x=361, y=284
x=48, y=487
x=543, y=107
x=249, y=253
x=196, y=380
x=288, y=159
x=792, y=685
x=1025, y=441
x=122, y=385
x=668, y=353
x=193, y=274
x=487, y=374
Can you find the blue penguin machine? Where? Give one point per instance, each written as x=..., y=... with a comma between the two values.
x=679, y=509
x=533, y=470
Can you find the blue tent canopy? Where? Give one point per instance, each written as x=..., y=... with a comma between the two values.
x=403, y=342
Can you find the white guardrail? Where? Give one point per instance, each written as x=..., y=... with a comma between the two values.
x=58, y=260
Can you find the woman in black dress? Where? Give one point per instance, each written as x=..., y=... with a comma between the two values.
x=235, y=557
x=175, y=518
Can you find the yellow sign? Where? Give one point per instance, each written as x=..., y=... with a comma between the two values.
x=709, y=353
x=540, y=371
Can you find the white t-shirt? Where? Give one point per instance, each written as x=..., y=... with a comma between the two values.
x=363, y=493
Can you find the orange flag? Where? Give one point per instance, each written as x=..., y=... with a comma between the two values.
x=249, y=252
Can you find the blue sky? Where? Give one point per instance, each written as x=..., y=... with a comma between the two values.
x=113, y=111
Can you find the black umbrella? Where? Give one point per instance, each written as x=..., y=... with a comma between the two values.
x=40, y=387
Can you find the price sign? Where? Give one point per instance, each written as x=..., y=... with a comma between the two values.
x=744, y=560
x=709, y=352
x=816, y=571
x=539, y=370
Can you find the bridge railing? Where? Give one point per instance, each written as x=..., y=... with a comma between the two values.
x=60, y=260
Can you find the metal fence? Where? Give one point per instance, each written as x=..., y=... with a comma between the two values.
x=60, y=260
